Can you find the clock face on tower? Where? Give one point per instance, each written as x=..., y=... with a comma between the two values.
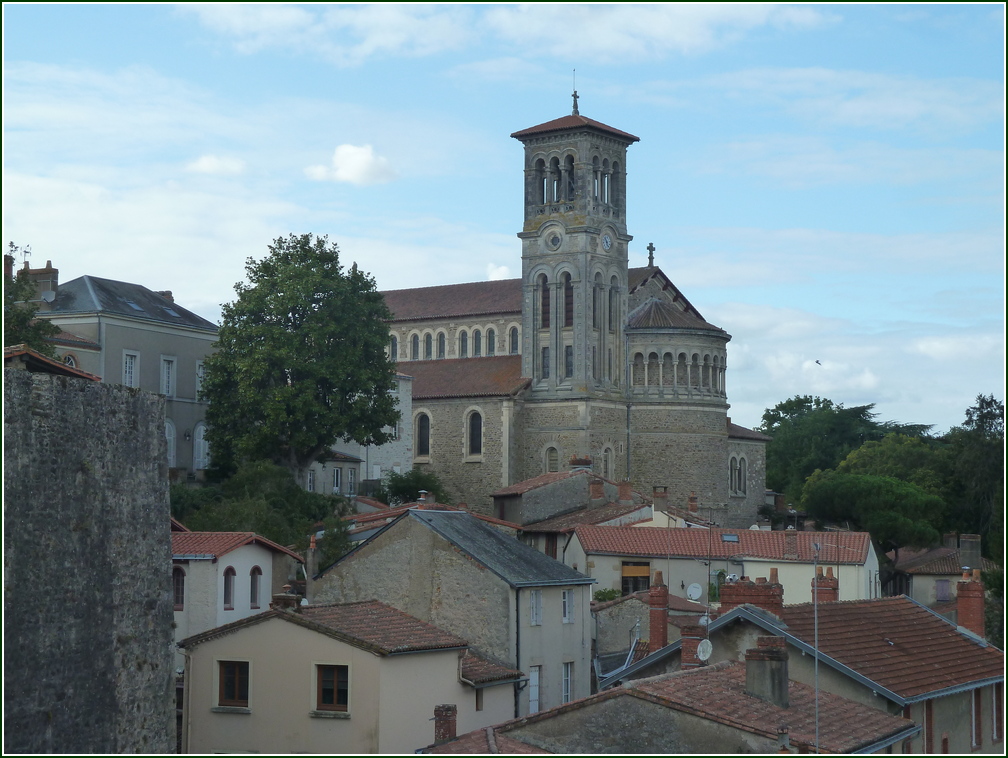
x=606, y=241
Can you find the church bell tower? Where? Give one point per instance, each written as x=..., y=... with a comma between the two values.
x=574, y=257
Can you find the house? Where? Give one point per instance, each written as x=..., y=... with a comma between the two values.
x=513, y=604
x=930, y=576
x=219, y=577
x=343, y=678
x=624, y=558
x=514, y=378
x=732, y=707
x=127, y=334
x=891, y=654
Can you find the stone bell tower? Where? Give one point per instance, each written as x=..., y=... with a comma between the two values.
x=574, y=257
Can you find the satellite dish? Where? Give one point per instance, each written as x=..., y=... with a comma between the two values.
x=732, y=577
x=754, y=528
x=704, y=650
x=704, y=620
x=694, y=591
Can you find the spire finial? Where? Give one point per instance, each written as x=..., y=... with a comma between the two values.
x=650, y=256
x=575, y=111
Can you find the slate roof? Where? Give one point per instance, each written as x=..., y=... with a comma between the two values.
x=90, y=294
x=34, y=361
x=515, y=562
x=638, y=277
x=360, y=520
x=897, y=643
x=454, y=300
x=370, y=625
x=499, y=376
x=939, y=560
x=741, y=433
x=569, y=521
x=573, y=122
x=837, y=547
x=717, y=694
x=655, y=313
x=217, y=544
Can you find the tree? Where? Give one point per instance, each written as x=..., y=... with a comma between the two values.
x=19, y=317
x=910, y=459
x=976, y=450
x=300, y=361
x=406, y=487
x=810, y=433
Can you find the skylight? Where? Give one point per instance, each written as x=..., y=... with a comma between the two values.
x=729, y=538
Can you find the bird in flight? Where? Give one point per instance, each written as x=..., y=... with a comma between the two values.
x=818, y=363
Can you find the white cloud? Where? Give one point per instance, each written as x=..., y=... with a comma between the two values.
x=495, y=272
x=217, y=165
x=958, y=347
x=354, y=164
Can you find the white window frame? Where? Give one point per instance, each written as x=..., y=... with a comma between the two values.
x=200, y=374
x=535, y=608
x=566, y=694
x=337, y=480
x=535, y=674
x=351, y=480
x=201, y=449
x=567, y=603
x=311, y=480
x=131, y=378
x=169, y=375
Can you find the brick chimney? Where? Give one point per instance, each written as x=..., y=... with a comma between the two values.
x=763, y=594
x=660, y=493
x=658, y=621
x=625, y=492
x=829, y=586
x=691, y=636
x=286, y=601
x=580, y=463
x=445, y=717
x=8, y=261
x=167, y=295
x=596, y=492
x=767, y=671
x=790, y=545
x=692, y=504
x=970, y=603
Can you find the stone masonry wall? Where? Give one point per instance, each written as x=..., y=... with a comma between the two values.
x=87, y=558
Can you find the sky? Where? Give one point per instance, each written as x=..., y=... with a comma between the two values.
x=824, y=182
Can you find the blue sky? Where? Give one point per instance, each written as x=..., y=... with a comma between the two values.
x=825, y=182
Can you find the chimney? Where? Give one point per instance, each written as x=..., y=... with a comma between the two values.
x=311, y=568
x=8, y=261
x=167, y=295
x=767, y=671
x=691, y=504
x=783, y=739
x=658, y=621
x=691, y=635
x=829, y=586
x=286, y=601
x=444, y=722
x=951, y=539
x=430, y=498
x=596, y=492
x=763, y=594
x=790, y=545
x=970, y=603
x=625, y=492
x=660, y=492
x=580, y=463
x=969, y=551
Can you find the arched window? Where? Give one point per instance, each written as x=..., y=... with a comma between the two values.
x=178, y=587
x=605, y=181
x=668, y=370
x=569, y=169
x=552, y=460
x=741, y=488
x=706, y=377
x=733, y=475
x=613, y=304
x=475, y=433
x=568, y=301
x=441, y=345
x=422, y=440
x=415, y=347
x=491, y=342
x=653, y=370
x=513, y=339
x=541, y=180
x=201, y=449
x=255, y=579
x=477, y=343
x=595, y=177
x=229, y=586
x=607, y=463
x=169, y=429
x=70, y=360
x=463, y=345
x=695, y=371
x=554, y=187
x=428, y=347
x=544, y=302
x=394, y=348
x=638, y=370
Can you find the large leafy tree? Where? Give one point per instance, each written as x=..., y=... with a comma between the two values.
x=19, y=317
x=300, y=361
x=810, y=433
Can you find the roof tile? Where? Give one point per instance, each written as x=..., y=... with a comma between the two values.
x=381, y=626
x=217, y=544
x=499, y=376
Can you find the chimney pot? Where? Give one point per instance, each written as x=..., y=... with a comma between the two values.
x=773, y=576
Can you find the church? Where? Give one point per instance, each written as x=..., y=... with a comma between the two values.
x=580, y=358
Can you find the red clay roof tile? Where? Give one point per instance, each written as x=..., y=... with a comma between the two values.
x=381, y=627
x=938, y=560
x=499, y=376
x=479, y=670
x=454, y=300
x=837, y=547
x=573, y=122
x=569, y=521
x=218, y=544
x=896, y=642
